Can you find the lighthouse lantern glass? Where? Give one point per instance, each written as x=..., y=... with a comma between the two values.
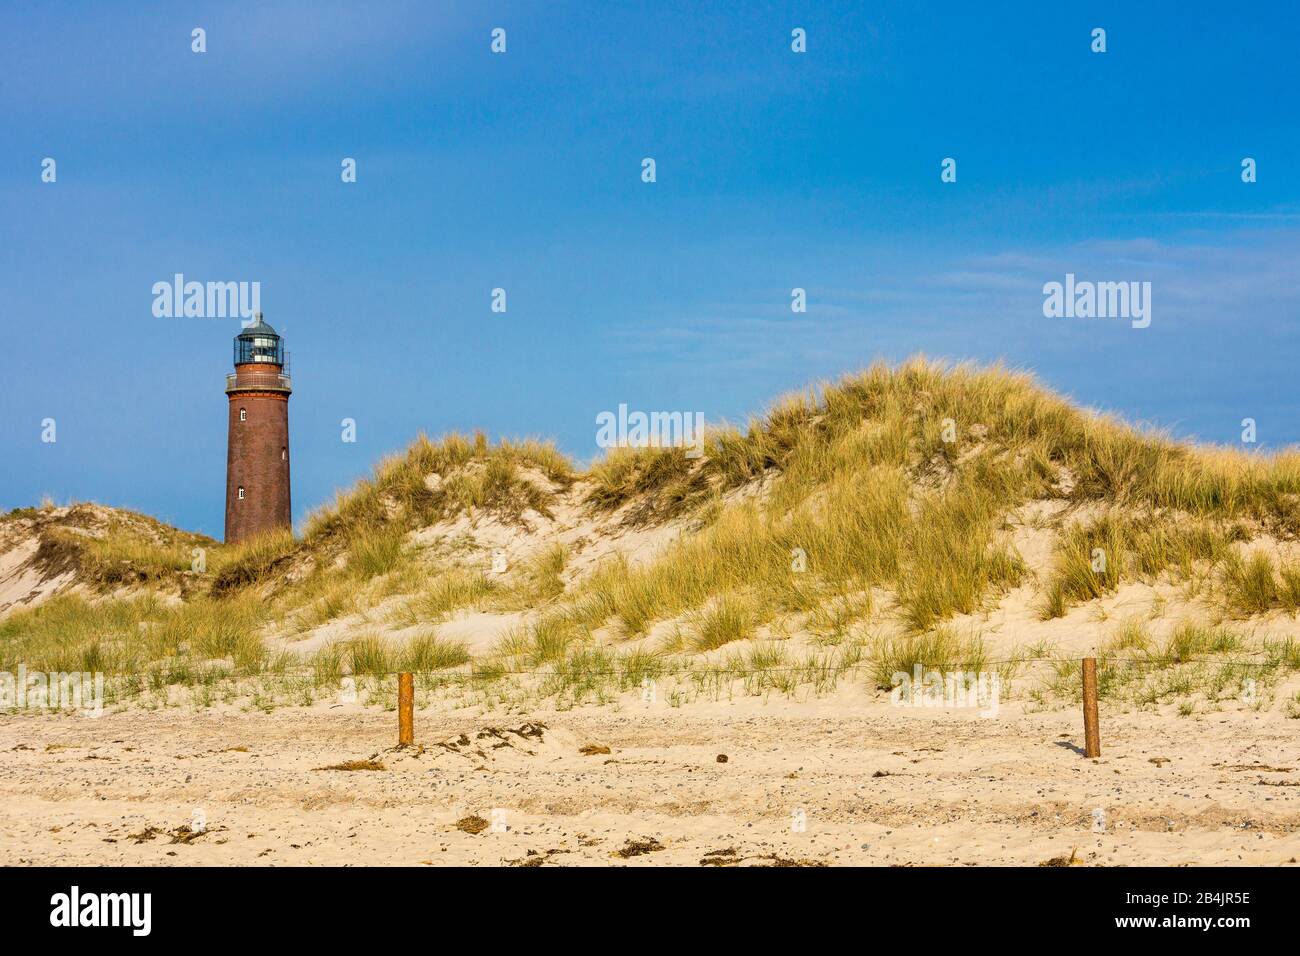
x=260, y=348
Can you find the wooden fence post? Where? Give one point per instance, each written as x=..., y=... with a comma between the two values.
x=405, y=710
x=1091, y=732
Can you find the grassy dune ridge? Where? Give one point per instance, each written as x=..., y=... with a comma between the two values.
x=864, y=515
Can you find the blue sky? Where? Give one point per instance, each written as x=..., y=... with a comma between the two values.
x=522, y=171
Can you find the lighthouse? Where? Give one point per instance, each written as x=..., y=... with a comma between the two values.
x=257, y=452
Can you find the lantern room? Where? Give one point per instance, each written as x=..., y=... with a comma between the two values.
x=259, y=344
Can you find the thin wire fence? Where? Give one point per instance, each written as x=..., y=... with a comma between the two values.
x=495, y=673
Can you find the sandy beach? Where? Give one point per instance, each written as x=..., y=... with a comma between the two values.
x=845, y=779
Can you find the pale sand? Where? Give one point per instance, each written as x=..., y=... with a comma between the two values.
x=879, y=785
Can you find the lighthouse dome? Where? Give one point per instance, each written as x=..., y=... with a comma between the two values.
x=259, y=343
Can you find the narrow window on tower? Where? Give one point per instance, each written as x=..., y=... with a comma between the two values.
x=284, y=454
x=241, y=492
x=243, y=414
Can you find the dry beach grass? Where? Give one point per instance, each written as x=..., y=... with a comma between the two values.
x=923, y=514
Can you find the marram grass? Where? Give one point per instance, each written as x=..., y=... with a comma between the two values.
x=891, y=492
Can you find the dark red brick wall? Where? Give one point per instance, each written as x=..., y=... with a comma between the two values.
x=254, y=460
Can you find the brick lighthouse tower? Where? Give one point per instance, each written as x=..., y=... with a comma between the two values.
x=257, y=457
